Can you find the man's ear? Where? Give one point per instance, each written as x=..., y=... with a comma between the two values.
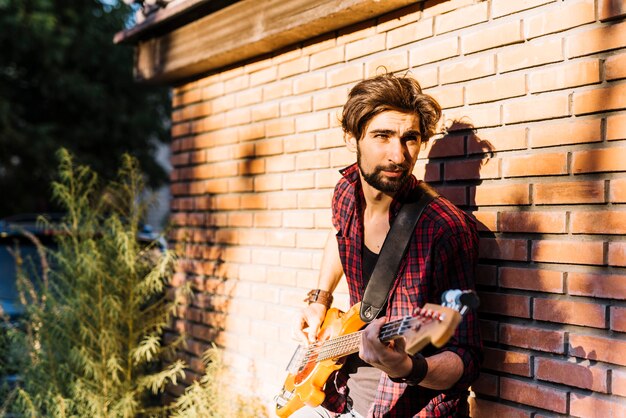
x=351, y=142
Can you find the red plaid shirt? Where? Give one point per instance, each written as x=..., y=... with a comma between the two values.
x=442, y=255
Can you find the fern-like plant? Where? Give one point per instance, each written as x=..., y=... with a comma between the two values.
x=94, y=320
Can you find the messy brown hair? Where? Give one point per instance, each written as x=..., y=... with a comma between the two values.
x=389, y=92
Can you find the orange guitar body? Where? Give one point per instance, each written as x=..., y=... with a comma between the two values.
x=339, y=336
x=308, y=383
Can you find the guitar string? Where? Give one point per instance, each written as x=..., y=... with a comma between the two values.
x=333, y=346
x=324, y=350
x=339, y=345
x=334, y=351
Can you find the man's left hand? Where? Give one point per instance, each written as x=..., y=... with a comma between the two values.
x=389, y=357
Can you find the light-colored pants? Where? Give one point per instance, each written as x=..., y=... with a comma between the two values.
x=320, y=412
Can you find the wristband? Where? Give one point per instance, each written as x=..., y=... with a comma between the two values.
x=319, y=296
x=417, y=374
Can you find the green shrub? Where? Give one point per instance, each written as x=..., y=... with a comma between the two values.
x=93, y=323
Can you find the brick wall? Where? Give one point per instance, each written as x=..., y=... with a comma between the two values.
x=533, y=144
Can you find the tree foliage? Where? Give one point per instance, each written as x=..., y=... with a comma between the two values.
x=63, y=83
x=92, y=333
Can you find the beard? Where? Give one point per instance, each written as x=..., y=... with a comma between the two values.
x=380, y=182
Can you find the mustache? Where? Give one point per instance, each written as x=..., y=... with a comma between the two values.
x=393, y=167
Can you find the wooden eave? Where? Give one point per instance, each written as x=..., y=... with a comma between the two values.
x=240, y=31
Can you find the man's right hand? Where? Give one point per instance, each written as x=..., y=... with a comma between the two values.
x=308, y=323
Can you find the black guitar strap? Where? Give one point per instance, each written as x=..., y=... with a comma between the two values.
x=393, y=250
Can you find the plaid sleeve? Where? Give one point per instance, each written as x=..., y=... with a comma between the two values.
x=457, y=254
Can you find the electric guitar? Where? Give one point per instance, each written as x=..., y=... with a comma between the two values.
x=339, y=336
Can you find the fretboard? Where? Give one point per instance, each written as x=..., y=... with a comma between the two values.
x=348, y=344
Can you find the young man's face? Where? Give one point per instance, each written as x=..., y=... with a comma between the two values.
x=388, y=150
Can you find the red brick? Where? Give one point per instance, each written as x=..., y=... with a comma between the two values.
x=472, y=169
x=570, y=312
x=618, y=382
x=327, y=57
x=447, y=97
x=596, y=407
x=412, y=32
x=486, y=274
x=279, y=127
x=492, y=37
x=618, y=319
x=560, y=19
x=474, y=117
x=457, y=195
x=467, y=69
x=488, y=330
x=461, y=18
x=499, y=139
x=537, y=108
x=329, y=99
x=574, y=252
x=508, y=305
x=510, y=194
x=535, y=222
x=615, y=67
x=616, y=127
x=429, y=172
x=533, y=394
x=295, y=106
x=596, y=40
x=264, y=76
x=610, y=350
x=496, y=88
x=427, y=77
x=487, y=384
x=481, y=408
x=296, y=66
x=598, y=222
x=390, y=62
x=550, y=281
x=530, y=55
x=600, y=100
x=501, y=8
x=611, y=286
x=345, y=74
x=533, y=338
x=565, y=76
x=572, y=374
x=435, y=51
x=611, y=9
x=576, y=131
x=571, y=192
x=504, y=249
x=507, y=361
x=303, y=84
x=617, y=254
x=599, y=160
x=366, y=46
x=535, y=165
x=447, y=146
x=617, y=191
x=487, y=221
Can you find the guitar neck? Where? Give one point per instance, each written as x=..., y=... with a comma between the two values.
x=349, y=344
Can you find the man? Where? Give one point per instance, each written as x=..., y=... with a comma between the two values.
x=385, y=121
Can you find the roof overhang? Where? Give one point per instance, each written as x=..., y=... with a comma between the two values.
x=195, y=37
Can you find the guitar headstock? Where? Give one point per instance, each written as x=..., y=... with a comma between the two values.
x=436, y=324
